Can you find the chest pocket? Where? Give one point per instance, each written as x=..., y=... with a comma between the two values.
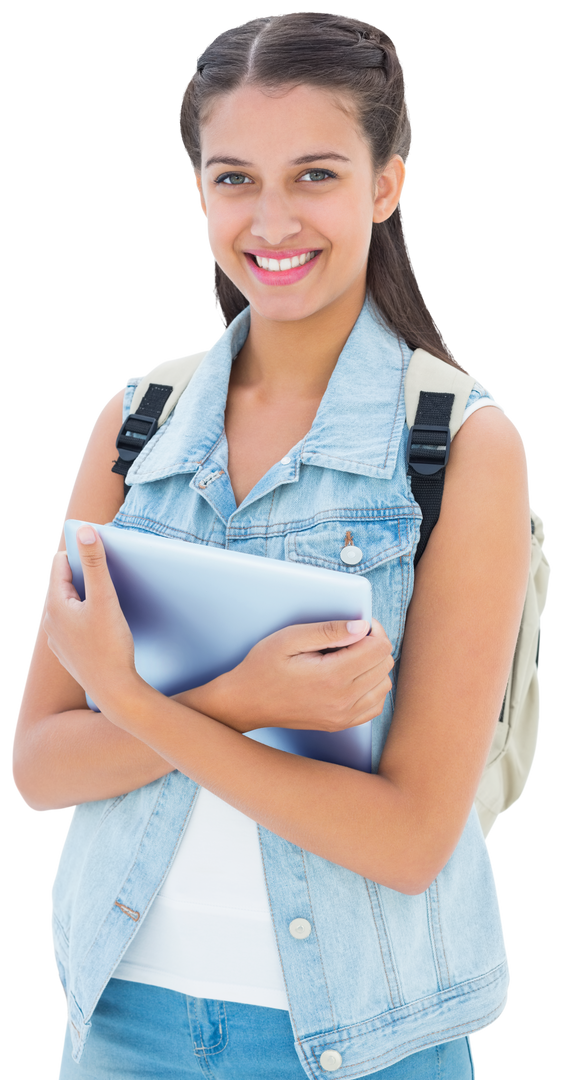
x=379, y=544
x=354, y=541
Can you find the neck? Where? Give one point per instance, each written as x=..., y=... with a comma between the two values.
x=297, y=357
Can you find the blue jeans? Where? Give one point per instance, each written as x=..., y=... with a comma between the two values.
x=145, y=1031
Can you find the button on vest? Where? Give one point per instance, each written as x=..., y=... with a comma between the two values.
x=300, y=928
x=330, y=1060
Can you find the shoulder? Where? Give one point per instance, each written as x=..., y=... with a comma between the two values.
x=491, y=421
x=106, y=426
x=488, y=454
x=98, y=492
x=485, y=515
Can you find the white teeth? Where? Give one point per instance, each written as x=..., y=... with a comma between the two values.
x=284, y=264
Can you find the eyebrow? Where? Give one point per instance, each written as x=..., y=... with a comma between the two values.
x=306, y=159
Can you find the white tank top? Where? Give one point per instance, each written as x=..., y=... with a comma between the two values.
x=209, y=931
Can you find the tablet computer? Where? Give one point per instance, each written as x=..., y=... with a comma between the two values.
x=195, y=611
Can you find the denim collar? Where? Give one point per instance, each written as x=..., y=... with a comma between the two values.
x=357, y=428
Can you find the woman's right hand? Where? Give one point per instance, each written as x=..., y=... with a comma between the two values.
x=289, y=680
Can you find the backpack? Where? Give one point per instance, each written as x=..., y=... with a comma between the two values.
x=436, y=396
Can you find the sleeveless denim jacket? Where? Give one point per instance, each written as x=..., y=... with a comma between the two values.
x=382, y=974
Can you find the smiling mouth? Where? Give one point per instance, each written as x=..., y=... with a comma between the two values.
x=277, y=265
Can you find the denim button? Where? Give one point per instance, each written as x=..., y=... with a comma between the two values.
x=330, y=1060
x=300, y=928
x=351, y=555
x=286, y=460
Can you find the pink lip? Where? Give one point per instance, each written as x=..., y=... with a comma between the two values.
x=280, y=277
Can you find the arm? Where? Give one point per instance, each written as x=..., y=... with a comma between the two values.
x=61, y=747
x=64, y=754
x=400, y=826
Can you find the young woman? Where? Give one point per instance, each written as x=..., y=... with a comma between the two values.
x=223, y=907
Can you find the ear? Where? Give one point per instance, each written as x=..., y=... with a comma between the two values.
x=200, y=189
x=197, y=185
x=388, y=188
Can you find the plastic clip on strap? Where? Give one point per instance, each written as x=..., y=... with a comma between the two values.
x=140, y=426
x=428, y=450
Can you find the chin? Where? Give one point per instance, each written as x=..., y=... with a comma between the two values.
x=284, y=307
x=284, y=312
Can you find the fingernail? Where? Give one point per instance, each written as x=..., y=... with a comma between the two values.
x=358, y=626
x=86, y=535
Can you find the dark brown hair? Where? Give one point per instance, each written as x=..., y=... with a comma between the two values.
x=334, y=53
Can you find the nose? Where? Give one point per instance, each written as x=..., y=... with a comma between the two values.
x=273, y=219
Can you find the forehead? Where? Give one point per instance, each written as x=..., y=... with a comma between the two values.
x=256, y=124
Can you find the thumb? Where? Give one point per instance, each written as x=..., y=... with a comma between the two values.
x=314, y=637
x=97, y=580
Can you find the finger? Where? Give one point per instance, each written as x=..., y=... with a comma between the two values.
x=313, y=637
x=379, y=636
x=372, y=676
x=373, y=699
x=97, y=581
x=361, y=658
x=61, y=578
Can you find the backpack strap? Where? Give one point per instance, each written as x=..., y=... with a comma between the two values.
x=436, y=396
x=153, y=401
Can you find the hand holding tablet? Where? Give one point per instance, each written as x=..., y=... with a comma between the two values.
x=196, y=611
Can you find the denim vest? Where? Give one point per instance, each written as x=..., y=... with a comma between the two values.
x=382, y=974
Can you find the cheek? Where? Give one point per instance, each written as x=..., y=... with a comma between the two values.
x=347, y=224
x=350, y=238
x=225, y=221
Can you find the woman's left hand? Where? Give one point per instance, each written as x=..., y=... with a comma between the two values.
x=90, y=637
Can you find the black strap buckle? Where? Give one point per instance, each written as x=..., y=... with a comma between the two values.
x=428, y=448
x=134, y=435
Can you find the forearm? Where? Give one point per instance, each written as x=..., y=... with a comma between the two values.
x=216, y=699
x=354, y=819
x=79, y=756
x=65, y=754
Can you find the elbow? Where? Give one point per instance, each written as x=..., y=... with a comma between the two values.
x=415, y=886
x=416, y=870
x=27, y=791
x=411, y=871
x=417, y=875
x=419, y=845
x=29, y=797
x=405, y=876
x=428, y=847
x=35, y=800
x=408, y=883
x=29, y=786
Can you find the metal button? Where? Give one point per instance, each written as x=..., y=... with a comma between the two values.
x=300, y=928
x=285, y=460
x=330, y=1060
x=351, y=555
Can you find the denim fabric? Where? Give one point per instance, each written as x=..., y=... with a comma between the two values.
x=144, y=1031
x=382, y=974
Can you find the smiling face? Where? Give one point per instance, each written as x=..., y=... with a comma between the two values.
x=290, y=193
